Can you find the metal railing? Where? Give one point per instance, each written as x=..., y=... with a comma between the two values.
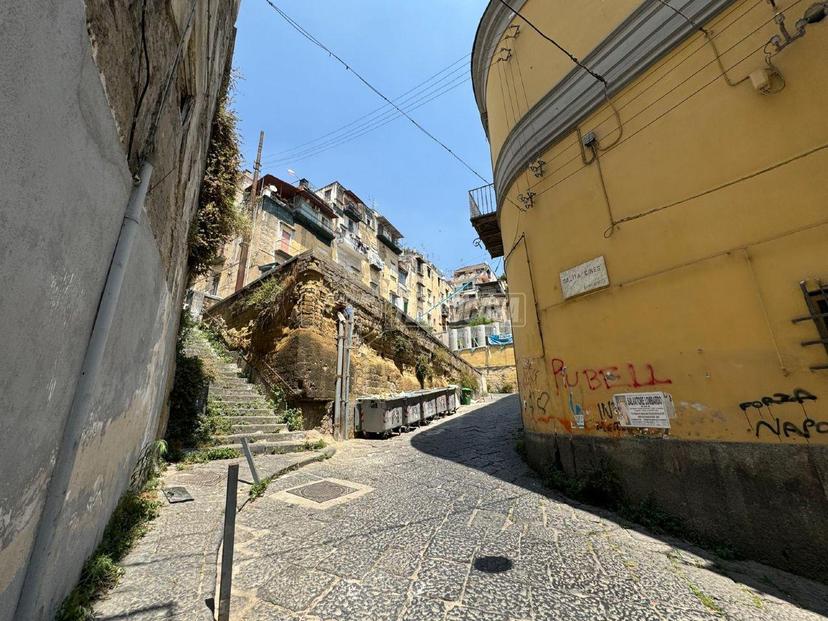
x=309, y=216
x=482, y=201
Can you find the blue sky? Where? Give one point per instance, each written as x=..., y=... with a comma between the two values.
x=294, y=92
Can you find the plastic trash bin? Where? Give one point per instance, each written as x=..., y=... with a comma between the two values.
x=466, y=396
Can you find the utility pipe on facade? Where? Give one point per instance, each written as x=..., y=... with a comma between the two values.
x=58, y=487
x=247, y=237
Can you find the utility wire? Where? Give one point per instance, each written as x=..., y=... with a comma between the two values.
x=362, y=132
x=669, y=72
x=571, y=56
x=411, y=104
x=677, y=86
x=372, y=113
x=333, y=55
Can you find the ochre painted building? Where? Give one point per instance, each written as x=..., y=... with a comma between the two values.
x=661, y=210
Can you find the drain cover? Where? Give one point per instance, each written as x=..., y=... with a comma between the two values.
x=323, y=491
x=177, y=494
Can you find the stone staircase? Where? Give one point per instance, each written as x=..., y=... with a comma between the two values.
x=242, y=410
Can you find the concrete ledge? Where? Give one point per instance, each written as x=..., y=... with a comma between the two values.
x=767, y=502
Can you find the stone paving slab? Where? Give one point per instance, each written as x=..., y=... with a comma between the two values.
x=172, y=569
x=447, y=495
x=456, y=527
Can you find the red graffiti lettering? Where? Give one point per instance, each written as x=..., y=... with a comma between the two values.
x=633, y=376
x=610, y=376
x=557, y=369
x=592, y=380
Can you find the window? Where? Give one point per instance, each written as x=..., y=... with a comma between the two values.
x=286, y=237
x=402, y=275
x=214, y=285
x=817, y=302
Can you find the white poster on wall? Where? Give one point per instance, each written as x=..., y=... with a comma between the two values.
x=645, y=409
x=584, y=277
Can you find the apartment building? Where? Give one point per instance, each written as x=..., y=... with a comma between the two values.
x=427, y=289
x=287, y=221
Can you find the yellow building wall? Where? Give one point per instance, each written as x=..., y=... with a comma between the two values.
x=725, y=193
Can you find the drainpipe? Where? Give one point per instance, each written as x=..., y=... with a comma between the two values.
x=31, y=605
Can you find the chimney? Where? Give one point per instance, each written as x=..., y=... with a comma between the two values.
x=304, y=184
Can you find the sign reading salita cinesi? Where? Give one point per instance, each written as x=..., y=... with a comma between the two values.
x=644, y=409
x=584, y=277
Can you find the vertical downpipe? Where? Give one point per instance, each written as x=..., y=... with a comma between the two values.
x=30, y=604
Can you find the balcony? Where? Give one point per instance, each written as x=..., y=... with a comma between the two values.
x=386, y=238
x=318, y=224
x=483, y=216
x=287, y=248
x=353, y=212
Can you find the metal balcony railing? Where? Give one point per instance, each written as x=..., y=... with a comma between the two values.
x=386, y=238
x=318, y=223
x=482, y=201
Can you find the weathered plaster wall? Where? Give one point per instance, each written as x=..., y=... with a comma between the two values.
x=735, y=495
x=496, y=363
x=298, y=342
x=65, y=174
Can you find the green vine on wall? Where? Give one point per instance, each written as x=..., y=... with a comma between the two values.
x=218, y=219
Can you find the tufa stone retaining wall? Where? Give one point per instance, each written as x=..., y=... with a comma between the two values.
x=293, y=338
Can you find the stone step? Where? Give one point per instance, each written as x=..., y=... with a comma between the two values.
x=237, y=397
x=233, y=393
x=246, y=406
x=259, y=427
x=271, y=448
x=255, y=438
x=270, y=419
x=247, y=412
x=234, y=384
x=231, y=374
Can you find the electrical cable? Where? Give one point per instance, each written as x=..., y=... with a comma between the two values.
x=350, y=138
x=670, y=72
x=661, y=97
x=370, y=126
x=359, y=76
x=725, y=185
x=399, y=99
x=145, y=88
x=666, y=74
x=149, y=144
x=571, y=56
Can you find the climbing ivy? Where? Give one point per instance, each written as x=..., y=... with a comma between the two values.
x=218, y=219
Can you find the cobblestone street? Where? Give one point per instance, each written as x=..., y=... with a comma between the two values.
x=447, y=523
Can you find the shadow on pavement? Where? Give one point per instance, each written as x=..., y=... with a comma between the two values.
x=485, y=439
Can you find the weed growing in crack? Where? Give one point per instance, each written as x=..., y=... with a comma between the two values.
x=101, y=572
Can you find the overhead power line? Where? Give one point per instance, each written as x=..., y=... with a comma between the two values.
x=359, y=76
x=369, y=127
x=421, y=87
x=571, y=56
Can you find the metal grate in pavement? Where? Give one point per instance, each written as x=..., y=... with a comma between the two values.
x=322, y=491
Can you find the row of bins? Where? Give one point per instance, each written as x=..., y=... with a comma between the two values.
x=383, y=415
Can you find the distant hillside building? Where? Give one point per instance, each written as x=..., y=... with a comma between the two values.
x=482, y=296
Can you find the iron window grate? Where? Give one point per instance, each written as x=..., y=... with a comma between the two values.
x=816, y=301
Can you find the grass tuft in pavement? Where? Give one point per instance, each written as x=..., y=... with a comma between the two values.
x=129, y=522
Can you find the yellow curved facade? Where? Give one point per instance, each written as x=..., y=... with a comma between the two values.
x=709, y=206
